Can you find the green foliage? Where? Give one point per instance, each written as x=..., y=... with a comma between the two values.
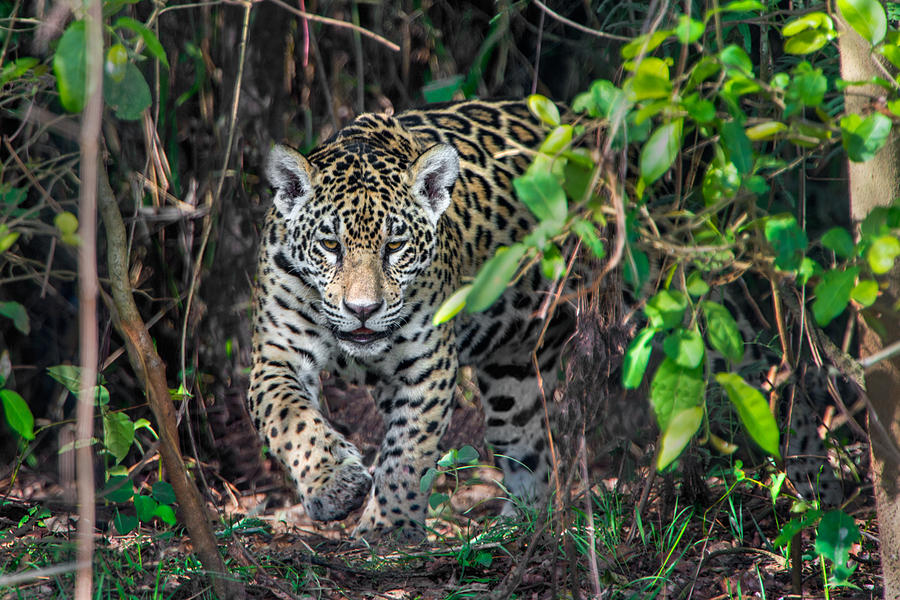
x=450, y=464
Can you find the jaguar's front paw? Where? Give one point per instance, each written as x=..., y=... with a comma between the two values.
x=338, y=490
x=380, y=521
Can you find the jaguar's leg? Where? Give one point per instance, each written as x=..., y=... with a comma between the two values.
x=288, y=353
x=515, y=425
x=416, y=407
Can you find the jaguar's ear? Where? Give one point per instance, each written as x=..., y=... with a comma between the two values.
x=291, y=175
x=432, y=176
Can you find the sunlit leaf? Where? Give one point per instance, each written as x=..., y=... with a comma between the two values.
x=753, y=411
x=866, y=17
x=493, y=277
x=18, y=414
x=660, y=151
x=722, y=331
x=833, y=294
x=637, y=356
x=682, y=427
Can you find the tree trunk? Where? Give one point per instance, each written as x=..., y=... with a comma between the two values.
x=876, y=183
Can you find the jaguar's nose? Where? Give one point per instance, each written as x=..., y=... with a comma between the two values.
x=363, y=311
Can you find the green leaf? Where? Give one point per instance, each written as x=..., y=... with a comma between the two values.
x=675, y=438
x=637, y=357
x=721, y=181
x=736, y=142
x=833, y=294
x=753, y=411
x=813, y=20
x=688, y=30
x=666, y=309
x=543, y=195
x=835, y=536
x=118, y=488
x=7, y=240
x=452, y=305
x=150, y=39
x=722, y=331
x=70, y=66
x=436, y=499
x=163, y=492
x=881, y=254
x=675, y=389
x=130, y=96
x=866, y=17
x=806, y=42
x=118, y=434
x=735, y=58
x=439, y=90
x=493, y=277
x=18, y=415
x=124, y=523
x=544, y=109
x=650, y=80
x=838, y=240
x=660, y=151
x=552, y=263
x=645, y=44
x=557, y=140
x=795, y=526
x=116, y=61
x=863, y=138
x=428, y=479
x=865, y=292
x=586, y=231
x=145, y=506
x=788, y=240
x=15, y=69
x=68, y=375
x=467, y=455
x=765, y=131
x=701, y=110
x=66, y=222
x=637, y=268
x=696, y=287
x=742, y=6
x=685, y=347
x=15, y=311
x=165, y=513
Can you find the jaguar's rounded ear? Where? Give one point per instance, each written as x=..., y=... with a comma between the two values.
x=433, y=175
x=291, y=175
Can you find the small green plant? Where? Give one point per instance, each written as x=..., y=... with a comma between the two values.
x=451, y=464
x=18, y=414
x=836, y=533
x=158, y=504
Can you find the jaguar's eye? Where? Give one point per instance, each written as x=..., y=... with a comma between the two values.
x=330, y=245
x=395, y=246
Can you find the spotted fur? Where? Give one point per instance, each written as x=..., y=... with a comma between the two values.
x=366, y=238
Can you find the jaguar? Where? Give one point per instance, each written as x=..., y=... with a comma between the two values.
x=366, y=238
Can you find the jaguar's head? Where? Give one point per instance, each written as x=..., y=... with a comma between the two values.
x=361, y=226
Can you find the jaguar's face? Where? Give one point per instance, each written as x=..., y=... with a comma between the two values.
x=361, y=229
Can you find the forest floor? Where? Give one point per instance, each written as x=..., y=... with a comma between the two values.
x=718, y=548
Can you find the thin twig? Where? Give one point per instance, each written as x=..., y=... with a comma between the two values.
x=17, y=579
x=337, y=23
x=575, y=25
x=87, y=298
x=870, y=361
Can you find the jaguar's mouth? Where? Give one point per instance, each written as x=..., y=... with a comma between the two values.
x=362, y=336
